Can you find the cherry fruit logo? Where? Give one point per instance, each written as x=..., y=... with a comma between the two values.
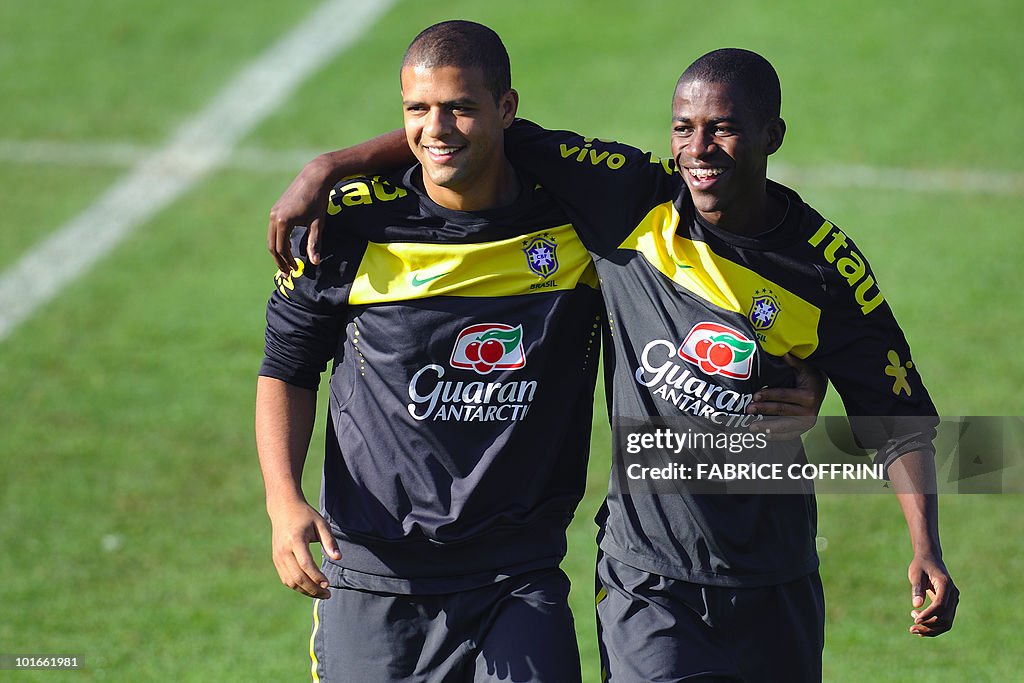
x=489, y=346
x=719, y=350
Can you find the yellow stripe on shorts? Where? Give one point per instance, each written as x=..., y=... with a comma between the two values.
x=312, y=638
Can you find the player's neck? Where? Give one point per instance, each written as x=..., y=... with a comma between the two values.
x=750, y=218
x=491, y=190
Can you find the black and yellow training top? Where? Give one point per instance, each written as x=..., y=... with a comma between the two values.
x=464, y=351
x=698, y=319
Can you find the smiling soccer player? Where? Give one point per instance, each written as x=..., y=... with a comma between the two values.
x=664, y=298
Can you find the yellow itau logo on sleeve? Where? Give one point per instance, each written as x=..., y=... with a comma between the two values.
x=358, y=192
x=850, y=264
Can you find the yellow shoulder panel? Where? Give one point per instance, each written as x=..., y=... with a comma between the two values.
x=783, y=321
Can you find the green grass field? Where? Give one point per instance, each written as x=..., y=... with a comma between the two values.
x=131, y=507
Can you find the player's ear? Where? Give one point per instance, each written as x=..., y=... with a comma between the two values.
x=776, y=131
x=508, y=105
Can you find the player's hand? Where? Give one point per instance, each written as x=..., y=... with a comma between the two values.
x=929, y=578
x=296, y=525
x=303, y=203
x=793, y=411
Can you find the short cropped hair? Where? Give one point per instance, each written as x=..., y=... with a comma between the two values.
x=751, y=72
x=463, y=44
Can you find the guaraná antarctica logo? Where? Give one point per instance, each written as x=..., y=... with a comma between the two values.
x=481, y=348
x=719, y=350
x=489, y=346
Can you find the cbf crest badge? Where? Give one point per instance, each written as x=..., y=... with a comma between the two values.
x=541, y=256
x=764, y=309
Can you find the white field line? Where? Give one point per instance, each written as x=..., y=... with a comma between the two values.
x=119, y=154
x=200, y=144
x=965, y=181
x=114, y=154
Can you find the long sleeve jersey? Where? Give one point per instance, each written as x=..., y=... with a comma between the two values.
x=698, y=320
x=464, y=350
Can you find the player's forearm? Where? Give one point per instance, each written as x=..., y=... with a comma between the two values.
x=382, y=153
x=913, y=478
x=284, y=424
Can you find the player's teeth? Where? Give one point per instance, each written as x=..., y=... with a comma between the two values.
x=705, y=172
x=443, y=150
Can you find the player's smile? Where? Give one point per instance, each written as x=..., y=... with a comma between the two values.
x=442, y=153
x=702, y=178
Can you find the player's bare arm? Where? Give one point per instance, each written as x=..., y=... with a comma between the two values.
x=304, y=203
x=913, y=477
x=284, y=423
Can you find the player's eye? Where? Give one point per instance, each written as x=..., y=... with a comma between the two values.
x=724, y=131
x=682, y=130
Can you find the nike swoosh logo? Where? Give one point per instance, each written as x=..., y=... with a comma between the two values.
x=419, y=282
x=681, y=265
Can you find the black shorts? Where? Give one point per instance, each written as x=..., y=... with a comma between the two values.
x=653, y=629
x=519, y=629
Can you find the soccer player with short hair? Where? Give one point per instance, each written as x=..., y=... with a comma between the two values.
x=725, y=587
x=460, y=398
